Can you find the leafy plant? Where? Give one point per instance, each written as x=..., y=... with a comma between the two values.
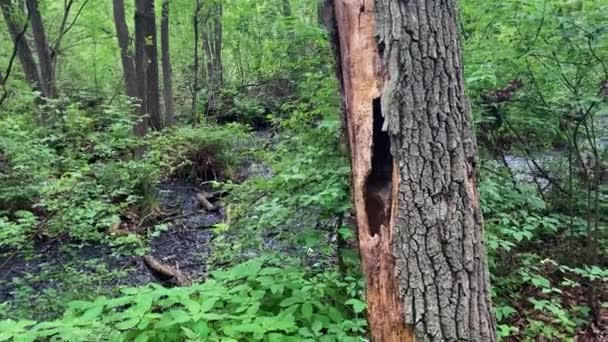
x=255, y=300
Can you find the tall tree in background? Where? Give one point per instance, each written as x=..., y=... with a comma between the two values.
x=64, y=28
x=128, y=63
x=42, y=50
x=413, y=171
x=211, y=33
x=24, y=53
x=195, y=86
x=140, y=62
x=126, y=53
x=151, y=65
x=166, y=62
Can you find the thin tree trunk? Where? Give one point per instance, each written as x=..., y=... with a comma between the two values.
x=152, y=79
x=195, y=86
x=42, y=49
x=413, y=164
x=217, y=32
x=166, y=61
x=126, y=55
x=140, y=66
x=207, y=48
x=26, y=59
x=61, y=33
x=209, y=59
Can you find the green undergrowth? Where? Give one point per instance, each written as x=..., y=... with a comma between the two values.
x=78, y=176
x=261, y=299
x=280, y=275
x=539, y=282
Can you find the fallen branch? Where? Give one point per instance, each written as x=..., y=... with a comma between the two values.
x=205, y=202
x=165, y=273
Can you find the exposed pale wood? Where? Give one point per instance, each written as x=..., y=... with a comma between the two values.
x=361, y=85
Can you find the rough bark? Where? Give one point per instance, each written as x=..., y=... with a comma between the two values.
x=412, y=152
x=140, y=66
x=42, y=50
x=24, y=53
x=166, y=62
x=152, y=79
x=126, y=54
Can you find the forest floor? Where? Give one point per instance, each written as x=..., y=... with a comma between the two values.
x=183, y=244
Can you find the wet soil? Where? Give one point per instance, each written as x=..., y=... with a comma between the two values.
x=184, y=245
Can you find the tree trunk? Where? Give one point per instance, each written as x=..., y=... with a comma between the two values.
x=133, y=88
x=166, y=61
x=42, y=50
x=152, y=83
x=195, y=86
x=24, y=53
x=207, y=47
x=412, y=152
x=126, y=55
x=140, y=66
x=217, y=45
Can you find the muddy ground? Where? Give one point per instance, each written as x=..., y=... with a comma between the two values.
x=184, y=245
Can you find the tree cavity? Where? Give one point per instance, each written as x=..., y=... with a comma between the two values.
x=378, y=185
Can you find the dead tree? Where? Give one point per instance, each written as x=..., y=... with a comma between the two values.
x=413, y=171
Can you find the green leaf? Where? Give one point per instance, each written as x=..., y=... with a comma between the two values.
x=335, y=315
x=307, y=310
x=127, y=324
x=358, y=306
x=317, y=326
x=290, y=301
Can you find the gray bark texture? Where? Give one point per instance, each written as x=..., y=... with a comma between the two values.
x=438, y=243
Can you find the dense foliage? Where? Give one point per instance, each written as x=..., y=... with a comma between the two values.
x=75, y=178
